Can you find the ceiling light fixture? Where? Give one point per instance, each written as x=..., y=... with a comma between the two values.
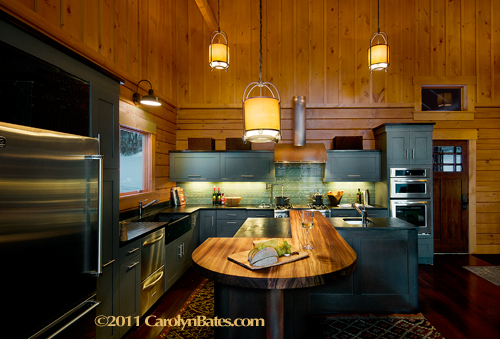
x=150, y=99
x=378, y=54
x=218, y=51
x=261, y=114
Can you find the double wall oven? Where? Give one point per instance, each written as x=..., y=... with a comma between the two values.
x=411, y=196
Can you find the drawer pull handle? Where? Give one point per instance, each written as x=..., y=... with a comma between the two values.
x=132, y=250
x=108, y=263
x=407, y=153
x=354, y=175
x=129, y=267
x=343, y=215
x=247, y=175
x=151, y=242
x=231, y=222
x=194, y=175
x=232, y=215
x=260, y=215
x=413, y=153
x=154, y=282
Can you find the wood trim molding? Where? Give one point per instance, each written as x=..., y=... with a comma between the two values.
x=136, y=118
x=309, y=105
x=444, y=80
x=455, y=134
x=436, y=115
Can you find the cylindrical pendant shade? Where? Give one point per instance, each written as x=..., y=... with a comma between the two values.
x=219, y=56
x=378, y=56
x=261, y=119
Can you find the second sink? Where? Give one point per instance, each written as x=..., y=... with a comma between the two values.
x=357, y=221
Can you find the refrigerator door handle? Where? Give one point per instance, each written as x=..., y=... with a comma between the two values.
x=98, y=272
x=92, y=303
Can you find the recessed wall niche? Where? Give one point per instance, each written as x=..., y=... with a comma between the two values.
x=38, y=94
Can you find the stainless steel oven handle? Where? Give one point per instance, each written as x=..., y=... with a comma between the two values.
x=403, y=203
x=408, y=180
x=151, y=242
x=154, y=282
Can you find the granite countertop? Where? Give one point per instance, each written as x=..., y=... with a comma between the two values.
x=280, y=227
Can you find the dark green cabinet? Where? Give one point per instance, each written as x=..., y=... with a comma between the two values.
x=229, y=221
x=385, y=279
x=178, y=258
x=109, y=298
x=351, y=212
x=208, y=225
x=196, y=166
x=409, y=148
x=222, y=166
x=247, y=166
x=260, y=213
x=353, y=166
x=130, y=287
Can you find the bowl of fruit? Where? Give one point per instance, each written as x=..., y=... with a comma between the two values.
x=335, y=197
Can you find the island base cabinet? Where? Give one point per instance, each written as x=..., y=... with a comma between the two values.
x=426, y=250
x=384, y=281
x=250, y=306
x=177, y=258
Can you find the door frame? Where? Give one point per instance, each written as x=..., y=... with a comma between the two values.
x=470, y=135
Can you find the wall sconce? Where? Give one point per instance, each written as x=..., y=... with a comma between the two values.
x=150, y=99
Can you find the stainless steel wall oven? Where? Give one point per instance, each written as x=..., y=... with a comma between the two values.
x=417, y=212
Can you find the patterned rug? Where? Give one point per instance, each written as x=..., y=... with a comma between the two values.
x=201, y=303
x=490, y=273
x=386, y=327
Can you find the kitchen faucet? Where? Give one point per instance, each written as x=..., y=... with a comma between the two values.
x=141, y=206
x=363, y=214
x=270, y=185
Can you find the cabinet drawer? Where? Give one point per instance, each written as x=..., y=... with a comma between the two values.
x=232, y=214
x=260, y=214
x=343, y=213
x=228, y=228
x=377, y=213
x=130, y=250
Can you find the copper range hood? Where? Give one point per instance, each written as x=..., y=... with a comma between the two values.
x=299, y=151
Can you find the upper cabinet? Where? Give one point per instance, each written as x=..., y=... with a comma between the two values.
x=353, y=166
x=406, y=144
x=222, y=166
x=194, y=166
x=247, y=166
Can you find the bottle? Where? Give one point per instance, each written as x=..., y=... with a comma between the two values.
x=223, y=199
x=214, y=197
x=358, y=197
x=218, y=197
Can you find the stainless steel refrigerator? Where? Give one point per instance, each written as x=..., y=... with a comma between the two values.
x=50, y=212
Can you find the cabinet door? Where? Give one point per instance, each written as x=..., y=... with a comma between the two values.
x=108, y=296
x=130, y=286
x=208, y=223
x=377, y=213
x=185, y=251
x=171, y=263
x=421, y=148
x=353, y=166
x=398, y=148
x=199, y=166
x=228, y=228
x=247, y=166
x=338, y=213
x=260, y=213
x=110, y=214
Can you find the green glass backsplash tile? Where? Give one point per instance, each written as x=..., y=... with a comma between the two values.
x=300, y=182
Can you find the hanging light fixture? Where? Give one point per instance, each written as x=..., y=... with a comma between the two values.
x=261, y=114
x=150, y=99
x=378, y=53
x=218, y=50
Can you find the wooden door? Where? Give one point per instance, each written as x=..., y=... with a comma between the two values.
x=451, y=212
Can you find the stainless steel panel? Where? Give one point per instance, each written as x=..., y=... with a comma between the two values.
x=152, y=289
x=410, y=172
x=152, y=256
x=49, y=215
x=417, y=212
x=410, y=188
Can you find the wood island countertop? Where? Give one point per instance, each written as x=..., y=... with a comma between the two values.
x=331, y=258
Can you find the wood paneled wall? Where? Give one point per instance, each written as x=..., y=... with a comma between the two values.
x=133, y=39
x=318, y=48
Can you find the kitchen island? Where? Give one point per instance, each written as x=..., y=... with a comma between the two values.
x=280, y=293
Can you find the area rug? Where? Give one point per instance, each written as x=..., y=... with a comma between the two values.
x=490, y=273
x=201, y=303
x=386, y=327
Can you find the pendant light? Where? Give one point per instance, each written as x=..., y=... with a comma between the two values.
x=261, y=114
x=218, y=51
x=378, y=53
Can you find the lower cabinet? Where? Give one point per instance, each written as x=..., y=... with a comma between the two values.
x=230, y=221
x=384, y=281
x=130, y=287
x=177, y=258
x=109, y=298
x=351, y=212
x=208, y=225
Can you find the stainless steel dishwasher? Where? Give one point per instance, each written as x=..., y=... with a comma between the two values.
x=152, y=269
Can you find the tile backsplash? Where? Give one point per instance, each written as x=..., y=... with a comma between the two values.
x=300, y=182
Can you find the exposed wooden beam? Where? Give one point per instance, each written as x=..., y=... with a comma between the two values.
x=207, y=14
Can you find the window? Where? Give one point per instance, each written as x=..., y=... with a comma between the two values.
x=441, y=99
x=447, y=159
x=135, y=155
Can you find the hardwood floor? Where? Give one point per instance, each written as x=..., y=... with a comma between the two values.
x=460, y=304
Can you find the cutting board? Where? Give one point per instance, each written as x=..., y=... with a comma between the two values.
x=241, y=258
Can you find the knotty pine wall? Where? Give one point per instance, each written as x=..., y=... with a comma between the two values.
x=318, y=48
x=133, y=39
